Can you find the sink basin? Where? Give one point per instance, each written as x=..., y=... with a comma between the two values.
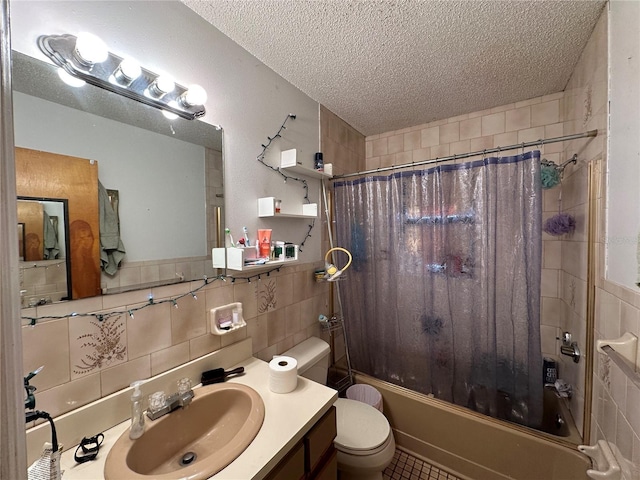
x=193, y=442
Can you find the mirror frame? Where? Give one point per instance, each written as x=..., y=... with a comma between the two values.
x=67, y=242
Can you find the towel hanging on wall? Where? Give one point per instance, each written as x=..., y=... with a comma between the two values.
x=112, y=250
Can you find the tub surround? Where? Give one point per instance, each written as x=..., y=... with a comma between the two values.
x=288, y=417
x=470, y=444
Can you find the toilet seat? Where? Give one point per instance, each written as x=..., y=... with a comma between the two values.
x=361, y=429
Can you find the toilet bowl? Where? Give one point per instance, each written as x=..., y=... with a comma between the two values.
x=364, y=440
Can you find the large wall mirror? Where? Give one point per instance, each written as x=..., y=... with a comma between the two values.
x=165, y=178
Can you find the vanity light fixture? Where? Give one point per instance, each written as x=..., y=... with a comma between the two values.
x=86, y=58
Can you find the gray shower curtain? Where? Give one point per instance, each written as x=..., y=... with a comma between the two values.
x=443, y=296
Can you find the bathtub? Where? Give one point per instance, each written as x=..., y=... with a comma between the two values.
x=474, y=446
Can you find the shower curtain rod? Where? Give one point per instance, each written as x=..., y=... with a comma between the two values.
x=590, y=133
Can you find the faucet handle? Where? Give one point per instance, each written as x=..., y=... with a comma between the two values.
x=157, y=401
x=184, y=385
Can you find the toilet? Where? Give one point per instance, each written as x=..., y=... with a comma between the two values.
x=364, y=440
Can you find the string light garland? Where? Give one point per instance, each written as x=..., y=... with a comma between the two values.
x=151, y=302
x=256, y=276
x=35, y=265
x=286, y=177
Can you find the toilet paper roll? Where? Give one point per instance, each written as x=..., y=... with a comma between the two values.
x=283, y=374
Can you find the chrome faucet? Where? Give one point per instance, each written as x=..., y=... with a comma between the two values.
x=160, y=404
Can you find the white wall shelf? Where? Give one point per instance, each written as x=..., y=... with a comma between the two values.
x=289, y=163
x=306, y=171
x=246, y=259
x=267, y=208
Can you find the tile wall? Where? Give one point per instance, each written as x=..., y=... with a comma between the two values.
x=615, y=413
x=86, y=359
x=343, y=146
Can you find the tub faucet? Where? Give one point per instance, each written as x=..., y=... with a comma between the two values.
x=160, y=405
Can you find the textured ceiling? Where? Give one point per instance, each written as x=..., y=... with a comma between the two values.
x=387, y=65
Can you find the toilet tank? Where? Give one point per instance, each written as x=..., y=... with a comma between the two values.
x=312, y=356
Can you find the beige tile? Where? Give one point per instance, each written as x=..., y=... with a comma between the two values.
x=430, y=137
x=459, y=148
x=421, y=154
x=608, y=312
x=293, y=322
x=471, y=128
x=518, y=119
x=380, y=147
x=530, y=134
x=163, y=360
x=545, y=113
x=548, y=340
x=284, y=289
x=481, y=143
x=371, y=163
x=440, y=151
x=188, y=320
x=551, y=310
x=69, y=396
x=412, y=141
x=395, y=143
x=368, y=149
x=204, y=344
x=96, y=345
x=552, y=254
x=276, y=326
x=505, y=139
x=121, y=376
x=267, y=295
x=531, y=101
x=629, y=319
x=549, y=283
x=257, y=330
x=493, y=124
x=47, y=343
x=388, y=160
x=149, y=330
x=449, y=133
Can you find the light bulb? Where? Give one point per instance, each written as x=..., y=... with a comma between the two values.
x=170, y=115
x=195, y=95
x=162, y=85
x=127, y=71
x=70, y=79
x=90, y=49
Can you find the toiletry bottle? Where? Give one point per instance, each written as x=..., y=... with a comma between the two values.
x=137, y=416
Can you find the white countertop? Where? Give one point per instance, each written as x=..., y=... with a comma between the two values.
x=287, y=418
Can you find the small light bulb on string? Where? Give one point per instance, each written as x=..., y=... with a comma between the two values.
x=194, y=296
x=151, y=299
x=131, y=314
x=175, y=304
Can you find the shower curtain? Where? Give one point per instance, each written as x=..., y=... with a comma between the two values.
x=443, y=296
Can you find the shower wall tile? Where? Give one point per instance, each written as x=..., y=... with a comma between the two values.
x=449, y=133
x=163, y=360
x=493, y=124
x=545, y=113
x=471, y=128
x=430, y=137
x=518, y=119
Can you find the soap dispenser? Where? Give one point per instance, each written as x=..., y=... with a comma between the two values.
x=137, y=413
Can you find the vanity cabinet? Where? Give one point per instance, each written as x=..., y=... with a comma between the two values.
x=314, y=457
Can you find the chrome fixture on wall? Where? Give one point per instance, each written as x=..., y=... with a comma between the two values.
x=569, y=348
x=85, y=58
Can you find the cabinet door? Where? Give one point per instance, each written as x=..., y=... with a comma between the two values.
x=319, y=440
x=329, y=470
x=290, y=467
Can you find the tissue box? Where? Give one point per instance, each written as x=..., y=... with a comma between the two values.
x=288, y=158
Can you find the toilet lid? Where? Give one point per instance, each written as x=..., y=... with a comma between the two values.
x=360, y=426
